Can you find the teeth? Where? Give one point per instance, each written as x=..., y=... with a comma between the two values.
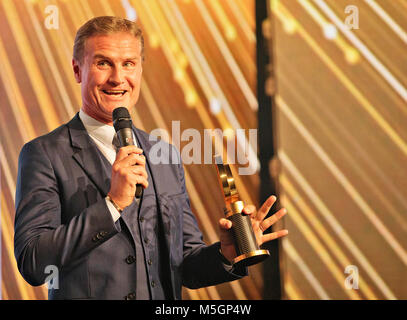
x=114, y=91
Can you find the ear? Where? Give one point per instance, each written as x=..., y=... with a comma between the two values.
x=76, y=70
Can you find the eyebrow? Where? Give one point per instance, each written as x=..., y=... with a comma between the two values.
x=101, y=56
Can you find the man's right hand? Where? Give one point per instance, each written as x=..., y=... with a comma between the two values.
x=128, y=170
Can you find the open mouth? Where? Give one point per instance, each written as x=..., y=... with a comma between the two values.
x=117, y=93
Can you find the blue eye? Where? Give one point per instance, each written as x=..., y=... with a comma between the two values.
x=103, y=63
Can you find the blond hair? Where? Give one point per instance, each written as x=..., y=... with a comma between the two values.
x=104, y=25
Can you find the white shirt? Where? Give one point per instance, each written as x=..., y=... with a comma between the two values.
x=102, y=134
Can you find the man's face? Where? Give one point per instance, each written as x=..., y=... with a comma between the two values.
x=110, y=74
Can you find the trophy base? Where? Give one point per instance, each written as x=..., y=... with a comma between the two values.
x=251, y=258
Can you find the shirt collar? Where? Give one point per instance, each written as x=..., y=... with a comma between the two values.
x=99, y=130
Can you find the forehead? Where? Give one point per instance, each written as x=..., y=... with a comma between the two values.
x=115, y=45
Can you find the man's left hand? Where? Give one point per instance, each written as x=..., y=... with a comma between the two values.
x=259, y=224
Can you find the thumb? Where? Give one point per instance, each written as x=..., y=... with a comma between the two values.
x=225, y=224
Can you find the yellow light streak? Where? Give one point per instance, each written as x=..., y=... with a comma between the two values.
x=365, y=51
x=7, y=235
x=247, y=30
x=345, y=182
x=227, y=55
x=157, y=20
x=203, y=72
x=15, y=98
x=291, y=289
x=363, y=101
x=33, y=72
x=322, y=232
x=319, y=249
x=51, y=61
x=228, y=29
x=350, y=53
x=61, y=43
x=334, y=224
x=292, y=253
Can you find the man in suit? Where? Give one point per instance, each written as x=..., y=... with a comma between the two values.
x=75, y=204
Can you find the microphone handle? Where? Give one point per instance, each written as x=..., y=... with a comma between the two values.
x=125, y=137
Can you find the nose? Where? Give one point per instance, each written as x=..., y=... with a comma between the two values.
x=116, y=77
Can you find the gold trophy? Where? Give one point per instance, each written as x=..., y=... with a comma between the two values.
x=247, y=249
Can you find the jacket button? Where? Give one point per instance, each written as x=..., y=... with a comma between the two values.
x=130, y=259
x=149, y=262
x=130, y=296
x=153, y=283
x=141, y=219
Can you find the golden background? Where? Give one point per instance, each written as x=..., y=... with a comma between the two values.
x=341, y=123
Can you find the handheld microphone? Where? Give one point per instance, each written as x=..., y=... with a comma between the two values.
x=122, y=125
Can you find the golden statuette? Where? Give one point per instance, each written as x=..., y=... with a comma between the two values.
x=247, y=249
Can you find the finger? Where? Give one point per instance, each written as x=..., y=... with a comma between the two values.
x=137, y=179
x=275, y=235
x=139, y=170
x=133, y=160
x=225, y=236
x=249, y=209
x=225, y=224
x=273, y=219
x=144, y=183
x=134, y=175
x=265, y=208
x=125, y=151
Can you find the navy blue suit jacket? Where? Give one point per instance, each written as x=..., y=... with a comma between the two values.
x=62, y=219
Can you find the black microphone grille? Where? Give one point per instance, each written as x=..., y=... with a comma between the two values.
x=120, y=112
x=121, y=118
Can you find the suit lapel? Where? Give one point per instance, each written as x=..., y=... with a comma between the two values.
x=88, y=155
x=156, y=170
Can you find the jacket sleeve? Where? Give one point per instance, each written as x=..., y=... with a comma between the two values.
x=40, y=238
